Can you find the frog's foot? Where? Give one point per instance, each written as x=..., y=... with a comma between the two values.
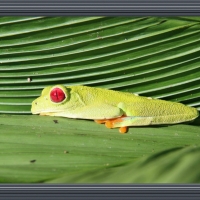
x=110, y=123
x=123, y=129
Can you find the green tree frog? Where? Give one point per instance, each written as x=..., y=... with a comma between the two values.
x=114, y=108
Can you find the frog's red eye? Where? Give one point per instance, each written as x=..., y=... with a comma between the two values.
x=57, y=95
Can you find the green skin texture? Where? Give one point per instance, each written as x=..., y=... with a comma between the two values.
x=84, y=102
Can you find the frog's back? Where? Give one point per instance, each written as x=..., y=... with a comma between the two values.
x=135, y=105
x=105, y=95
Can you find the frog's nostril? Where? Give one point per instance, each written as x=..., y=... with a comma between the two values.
x=35, y=103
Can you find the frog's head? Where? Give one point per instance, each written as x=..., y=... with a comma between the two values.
x=51, y=100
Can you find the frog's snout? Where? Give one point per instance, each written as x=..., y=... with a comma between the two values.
x=34, y=103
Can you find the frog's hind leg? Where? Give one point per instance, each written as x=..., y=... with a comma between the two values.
x=109, y=123
x=125, y=121
x=132, y=121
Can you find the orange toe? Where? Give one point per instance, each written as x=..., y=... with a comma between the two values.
x=123, y=129
x=109, y=124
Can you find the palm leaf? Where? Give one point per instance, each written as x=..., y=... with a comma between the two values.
x=169, y=166
x=39, y=149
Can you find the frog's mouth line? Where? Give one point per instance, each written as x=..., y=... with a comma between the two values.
x=46, y=112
